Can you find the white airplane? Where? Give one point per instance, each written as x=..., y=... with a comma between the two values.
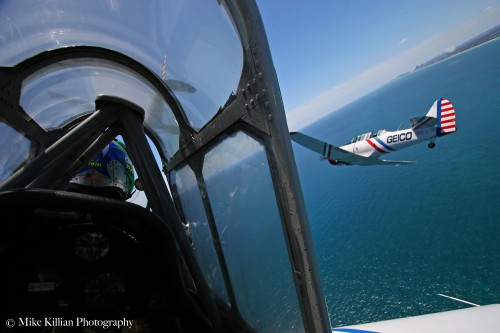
x=366, y=149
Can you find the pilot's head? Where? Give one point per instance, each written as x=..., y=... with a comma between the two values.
x=109, y=174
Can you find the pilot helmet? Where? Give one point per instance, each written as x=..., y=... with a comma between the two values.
x=109, y=173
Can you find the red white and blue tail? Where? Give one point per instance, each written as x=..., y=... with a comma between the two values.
x=444, y=111
x=441, y=115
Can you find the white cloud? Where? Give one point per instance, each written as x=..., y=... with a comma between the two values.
x=404, y=40
x=341, y=95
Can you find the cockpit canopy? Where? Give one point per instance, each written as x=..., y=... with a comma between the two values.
x=363, y=137
x=200, y=67
x=191, y=88
x=367, y=136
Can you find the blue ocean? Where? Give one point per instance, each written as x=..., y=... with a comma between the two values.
x=389, y=239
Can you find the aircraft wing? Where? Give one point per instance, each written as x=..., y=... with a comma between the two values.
x=336, y=155
x=476, y=319
x=315, y=145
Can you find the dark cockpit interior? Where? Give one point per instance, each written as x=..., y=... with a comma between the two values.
x=91, y=258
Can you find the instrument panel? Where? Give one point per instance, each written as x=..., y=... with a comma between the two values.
x=85, y=277
x=92, y=246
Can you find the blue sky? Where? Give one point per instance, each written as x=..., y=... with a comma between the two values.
x=327, y=53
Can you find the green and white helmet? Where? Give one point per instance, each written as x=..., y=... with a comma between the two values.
x=109, y=174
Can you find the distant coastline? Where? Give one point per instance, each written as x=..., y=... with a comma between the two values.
x=485, y=37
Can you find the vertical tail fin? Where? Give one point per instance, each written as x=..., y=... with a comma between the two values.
x=444, y=112
x=446, y=117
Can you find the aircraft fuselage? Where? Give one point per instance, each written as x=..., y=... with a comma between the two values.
x=374, y=145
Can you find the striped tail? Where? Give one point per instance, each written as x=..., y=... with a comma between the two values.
x=446, y=117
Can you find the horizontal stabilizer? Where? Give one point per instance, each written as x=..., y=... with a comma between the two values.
x=422, y=122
